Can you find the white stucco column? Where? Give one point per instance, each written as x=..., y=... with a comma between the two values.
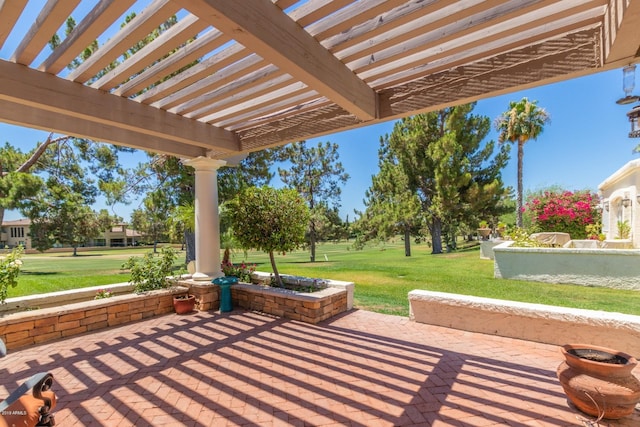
x=207, y=230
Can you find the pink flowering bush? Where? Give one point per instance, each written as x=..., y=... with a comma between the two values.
x=566, y=212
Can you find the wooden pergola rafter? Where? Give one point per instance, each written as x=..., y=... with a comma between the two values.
x=238, y=76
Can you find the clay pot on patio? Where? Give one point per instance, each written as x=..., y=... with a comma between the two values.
x=184, y=304
x=598, y=380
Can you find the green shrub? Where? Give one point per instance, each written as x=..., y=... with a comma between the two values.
x=624, y=230
x=521, y=239
x=152, y=271
x=9, y=271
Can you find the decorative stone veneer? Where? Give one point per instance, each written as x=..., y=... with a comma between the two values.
x=48, y=324
x=307, y=307
x=310, y=307
x=531, y=322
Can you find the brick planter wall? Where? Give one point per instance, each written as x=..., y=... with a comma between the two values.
x=27, y=328
x=307, y=307
x=48, y=324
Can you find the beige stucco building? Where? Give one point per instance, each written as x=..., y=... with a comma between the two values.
x=620, y=195
x=17, y=232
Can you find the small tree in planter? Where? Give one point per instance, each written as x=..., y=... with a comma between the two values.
x=269, y=220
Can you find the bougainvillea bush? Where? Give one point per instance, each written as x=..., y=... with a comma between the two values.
x=566, y=212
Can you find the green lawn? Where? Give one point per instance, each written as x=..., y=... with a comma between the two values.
x=383, y=276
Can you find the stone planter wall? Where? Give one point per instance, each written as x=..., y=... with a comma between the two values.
x=310, y=307
x=307, y=307
x=84, y=314
x=48, y=324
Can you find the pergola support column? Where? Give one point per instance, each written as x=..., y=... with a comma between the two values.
x=207, y=230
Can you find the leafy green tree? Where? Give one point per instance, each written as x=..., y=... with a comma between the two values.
x=316, y=174
x=269, y=220
x=523, y=121
x=52, y=187
x=454, y=175
x=390, y=207
x=153, y=218
x=17, y=183
x=329, y=225
x=66, y=221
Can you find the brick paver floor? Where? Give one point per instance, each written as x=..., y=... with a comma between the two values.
x=246, y=369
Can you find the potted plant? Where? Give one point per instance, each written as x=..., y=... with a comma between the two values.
x=599, y=381
x=484, y=230
x=501, y=228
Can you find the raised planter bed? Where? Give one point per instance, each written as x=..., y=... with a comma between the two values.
x=612, y=268
x=310, y=307
x=41, y=318
x=25, y=328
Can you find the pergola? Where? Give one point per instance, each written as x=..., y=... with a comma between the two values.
x=269, y=72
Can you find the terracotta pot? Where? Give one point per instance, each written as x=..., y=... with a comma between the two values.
x=184, y=304
x=596, y=387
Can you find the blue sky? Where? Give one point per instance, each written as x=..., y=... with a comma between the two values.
x=585, y=142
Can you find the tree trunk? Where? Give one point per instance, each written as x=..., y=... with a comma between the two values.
x=519, y=195
x=312, y=241
x=407, y=241
x=275, y=269
x=436, y=236
x=190, y=243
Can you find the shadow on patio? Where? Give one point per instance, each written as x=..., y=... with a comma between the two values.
x=243, y=368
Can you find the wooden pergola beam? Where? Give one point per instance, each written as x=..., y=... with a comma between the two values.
x=622, y=32
x=88, y=30
x=24, y=86
x=54, y=14
x=274, y=36
x=10, y=11
x=22, y=115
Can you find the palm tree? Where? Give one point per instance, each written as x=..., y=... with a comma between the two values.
x=523, y=121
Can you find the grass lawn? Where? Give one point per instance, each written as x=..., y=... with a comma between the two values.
x=383, y=276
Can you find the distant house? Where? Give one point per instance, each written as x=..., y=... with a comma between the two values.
x=17, y=232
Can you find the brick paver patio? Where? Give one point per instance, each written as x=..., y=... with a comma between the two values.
x=246, y=369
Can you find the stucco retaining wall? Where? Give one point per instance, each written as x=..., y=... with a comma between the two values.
x=532, y=322
x=486, y=248
x=613, y=268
